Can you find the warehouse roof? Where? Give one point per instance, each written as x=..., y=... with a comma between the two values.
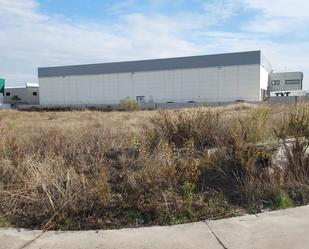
x=216, y=60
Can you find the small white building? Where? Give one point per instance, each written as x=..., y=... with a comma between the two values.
x=22, y=95
x=217, y=78
x=286, y=81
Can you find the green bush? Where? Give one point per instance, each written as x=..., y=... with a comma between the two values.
x=283, y=200
x=129, y=104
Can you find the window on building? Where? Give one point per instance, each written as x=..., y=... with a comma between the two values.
x=7, y=94
x=275, y=82
x=35, y=94
x=292, y=82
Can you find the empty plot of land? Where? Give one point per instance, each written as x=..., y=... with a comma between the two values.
x=85, y=170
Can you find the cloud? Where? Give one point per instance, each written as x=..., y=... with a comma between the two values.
x=19, y=12
x=220, y=9
x=120, y=8
x=281, y=8
x=278, y=16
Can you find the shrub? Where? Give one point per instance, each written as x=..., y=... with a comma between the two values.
x=235, y=172
x=293, y=132
x=188, y=189
x=161, y=185
x=202, y=126
x=252, y=128
x=283, y=200
x=129, y=104
x=239, y=166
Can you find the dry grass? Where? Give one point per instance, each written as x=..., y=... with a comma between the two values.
x=90, y=169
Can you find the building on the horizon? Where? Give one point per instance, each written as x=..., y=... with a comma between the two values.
x=219, y=78
x=22, y=95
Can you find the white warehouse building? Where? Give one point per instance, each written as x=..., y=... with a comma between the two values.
x=229, y=77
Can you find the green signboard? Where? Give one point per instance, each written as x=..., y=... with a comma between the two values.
x=2, y=83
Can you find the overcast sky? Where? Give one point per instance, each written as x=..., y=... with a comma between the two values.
x=38, y=33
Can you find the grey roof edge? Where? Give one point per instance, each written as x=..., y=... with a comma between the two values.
x=200, y=61
x=300, y=72
x=26, y=85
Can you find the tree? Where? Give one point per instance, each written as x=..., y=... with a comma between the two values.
x=129, y=104
x=16, y=98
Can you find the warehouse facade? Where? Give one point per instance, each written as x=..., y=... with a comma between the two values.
x=229, y=77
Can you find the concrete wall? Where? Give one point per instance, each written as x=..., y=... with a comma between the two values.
x=288, y=100
x=24, y=93
x=212, y=84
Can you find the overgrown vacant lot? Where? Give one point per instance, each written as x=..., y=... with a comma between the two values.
x=90, y=169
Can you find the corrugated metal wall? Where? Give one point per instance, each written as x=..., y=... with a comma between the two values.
x=216, y=84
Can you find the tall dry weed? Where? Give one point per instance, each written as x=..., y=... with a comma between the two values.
x=293, y=131
x=90, y=170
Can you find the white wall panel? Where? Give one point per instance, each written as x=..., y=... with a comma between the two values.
x=202, y=84
x=264, y=78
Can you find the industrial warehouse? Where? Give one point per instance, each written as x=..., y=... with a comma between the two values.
x=211, y=78
x=214, y=79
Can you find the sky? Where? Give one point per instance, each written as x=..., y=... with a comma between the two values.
x=40, y=33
